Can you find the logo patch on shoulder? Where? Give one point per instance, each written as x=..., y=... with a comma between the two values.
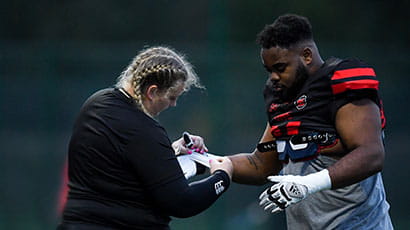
x=301, y=102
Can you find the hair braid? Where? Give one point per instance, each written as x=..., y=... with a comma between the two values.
x=160, y=66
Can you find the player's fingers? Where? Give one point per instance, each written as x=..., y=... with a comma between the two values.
x=279, y=204
x=275, y=196
x=278, y=199
x=275, y=178
x=274, y=191
x=263, y=194
x=276, y=210
x=264, y=201
x=266, y=196
x=282, y=200
x=270, y=206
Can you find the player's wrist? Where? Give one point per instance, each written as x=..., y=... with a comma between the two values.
x=318, y=181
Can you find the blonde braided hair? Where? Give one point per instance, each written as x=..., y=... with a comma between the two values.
x=161, y=66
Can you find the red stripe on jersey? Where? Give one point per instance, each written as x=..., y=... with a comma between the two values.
x=275, y=131
x=355, y=72
x=355, y=84
x=282, y=117
x=293, y=127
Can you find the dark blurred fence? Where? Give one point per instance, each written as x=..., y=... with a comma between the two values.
x=54, y=54
x=43, y=85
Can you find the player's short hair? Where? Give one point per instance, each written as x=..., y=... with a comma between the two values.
x=285, y=32
x=161, y=66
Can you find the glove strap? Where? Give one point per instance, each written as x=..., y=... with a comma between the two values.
x=266, y=146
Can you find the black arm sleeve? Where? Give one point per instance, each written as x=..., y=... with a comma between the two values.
x=179, y=199
x=156, y=167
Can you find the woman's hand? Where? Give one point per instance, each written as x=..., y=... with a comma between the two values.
x=221, y=163
x=198, y=145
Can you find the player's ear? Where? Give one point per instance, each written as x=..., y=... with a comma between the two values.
x=307, y=55
x=151, y=92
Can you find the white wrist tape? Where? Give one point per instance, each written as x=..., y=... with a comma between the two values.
x=188, y=166
x=316, y=182
x=202, y=158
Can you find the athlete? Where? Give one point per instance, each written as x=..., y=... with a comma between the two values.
x=322, y=147
x=122, y=167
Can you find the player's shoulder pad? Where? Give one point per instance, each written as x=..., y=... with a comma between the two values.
x=353, y=74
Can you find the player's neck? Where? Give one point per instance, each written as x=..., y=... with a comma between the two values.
x=317, y=62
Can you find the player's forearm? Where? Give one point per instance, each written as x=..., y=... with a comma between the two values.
x=250, y=169
x=357, y=165
x=254, y=168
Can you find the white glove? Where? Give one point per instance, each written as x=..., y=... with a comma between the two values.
x=289, y=189
x=188, y=166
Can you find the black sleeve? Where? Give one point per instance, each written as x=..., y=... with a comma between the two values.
x=179, y=199
x=155, y=165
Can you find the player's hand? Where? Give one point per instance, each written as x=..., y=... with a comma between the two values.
x=222, y=163
x=284, y=192
x=289, y=189
x=180, y=147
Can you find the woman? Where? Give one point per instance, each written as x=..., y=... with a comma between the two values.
x=123, y=172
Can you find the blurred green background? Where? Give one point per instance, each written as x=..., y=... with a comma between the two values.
x=54, y=54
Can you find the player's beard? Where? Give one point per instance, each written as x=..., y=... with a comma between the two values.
x=289, y=94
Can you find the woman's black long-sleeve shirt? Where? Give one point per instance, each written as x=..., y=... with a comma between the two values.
x=123, y=173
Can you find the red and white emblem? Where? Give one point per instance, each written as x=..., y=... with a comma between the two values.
x=301, y=102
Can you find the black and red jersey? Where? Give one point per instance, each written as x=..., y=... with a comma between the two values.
x=335, y=84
